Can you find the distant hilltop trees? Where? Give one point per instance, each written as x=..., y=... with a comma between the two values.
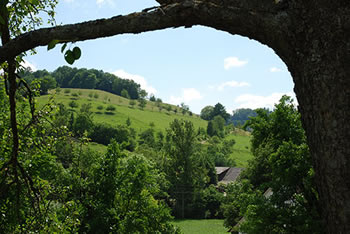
x=238, y=117
x=67, y=77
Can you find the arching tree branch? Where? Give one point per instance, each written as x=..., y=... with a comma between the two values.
x=247, y=19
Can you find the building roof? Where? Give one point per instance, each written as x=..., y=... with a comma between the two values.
x=228, y=174
x=220, y=170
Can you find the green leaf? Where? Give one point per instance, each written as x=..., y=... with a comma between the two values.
x=76, y=52
x=69, y=57
x=63, y=47
x=52, y=44
x=2, y=21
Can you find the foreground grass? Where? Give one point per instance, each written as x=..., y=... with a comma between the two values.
x=201, y=226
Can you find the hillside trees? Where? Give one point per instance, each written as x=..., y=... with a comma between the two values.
x=121, y=196
x=219, y=110
x=184, y=170
x=315, y=52
x=216, y=126
x=282, y=163
x=240, y=116
x=67, y=77
x=206, y=112
x=209, y=112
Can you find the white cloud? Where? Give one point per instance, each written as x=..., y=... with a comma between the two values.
x=255, y=101
x=137, y=78
x=275, y=69
x=233, y=62
x=232, y=84
x=102, y=2
x=188, y=95
x=27, y=64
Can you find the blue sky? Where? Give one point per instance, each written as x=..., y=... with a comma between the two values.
x=198, y=66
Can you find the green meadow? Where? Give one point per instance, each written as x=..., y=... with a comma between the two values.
x=201, y=226
x=140, y=119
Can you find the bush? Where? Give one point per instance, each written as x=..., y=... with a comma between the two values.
x=96, y=95
x=75, y=95
x=110, y=108
x=100, y=107
x=207, y=203
x=104, y=133
x=67, y=91
x=73, y=104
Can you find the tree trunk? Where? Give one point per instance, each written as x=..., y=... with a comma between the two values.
x=321, y=71
x=323, y=91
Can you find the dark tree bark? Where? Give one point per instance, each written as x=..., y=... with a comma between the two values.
x=312, y=38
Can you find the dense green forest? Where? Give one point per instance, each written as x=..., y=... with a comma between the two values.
x=68, y=77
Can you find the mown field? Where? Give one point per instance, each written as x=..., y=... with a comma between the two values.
x=202, y=226
x=140, y=119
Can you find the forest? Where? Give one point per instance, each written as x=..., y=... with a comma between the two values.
x=148, y=177
x=67, y=77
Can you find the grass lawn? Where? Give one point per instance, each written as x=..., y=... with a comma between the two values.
x=201, y=226
x=241, y=150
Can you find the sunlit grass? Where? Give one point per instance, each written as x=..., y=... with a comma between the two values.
x=201, y=226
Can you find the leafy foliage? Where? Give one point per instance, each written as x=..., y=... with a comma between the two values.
x=281, y=163
x=240, y=116
x=67, y=77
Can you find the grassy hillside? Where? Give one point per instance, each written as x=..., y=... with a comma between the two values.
x=141, y=119
x=241, y=150
x=201, y=226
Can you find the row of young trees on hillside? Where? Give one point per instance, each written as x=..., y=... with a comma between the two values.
x=67, y=77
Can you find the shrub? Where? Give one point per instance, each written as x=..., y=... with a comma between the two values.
x=73, y=104
x=100, y=107
x=110, y=108
x=67, y=91
x=132, y=103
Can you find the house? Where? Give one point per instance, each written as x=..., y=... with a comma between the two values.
x=228, y=174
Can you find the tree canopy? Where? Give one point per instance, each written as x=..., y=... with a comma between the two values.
x=67, y=77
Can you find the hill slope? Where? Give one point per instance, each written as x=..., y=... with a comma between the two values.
x=141, y=119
